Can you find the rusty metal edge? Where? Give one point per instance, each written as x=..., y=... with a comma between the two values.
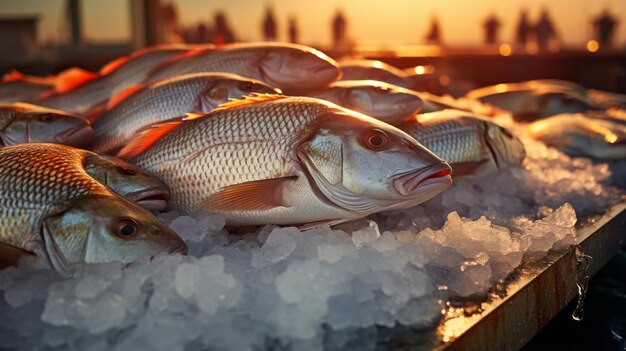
x=535, y=297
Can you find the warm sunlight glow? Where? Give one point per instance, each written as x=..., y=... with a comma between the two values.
x=501, y=88
x=593, y=46
x=444, y=80
x=505, y=49
x=420, y=70
x=532, y=48
x=377, y=64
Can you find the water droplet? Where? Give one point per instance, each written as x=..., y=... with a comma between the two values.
x=582, y=280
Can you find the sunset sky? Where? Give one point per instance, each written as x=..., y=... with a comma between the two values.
x=403, y=21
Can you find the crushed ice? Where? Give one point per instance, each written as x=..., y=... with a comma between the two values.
x=281, y=288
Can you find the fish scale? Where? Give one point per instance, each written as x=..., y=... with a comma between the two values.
x=160, y=102
x=36, y=182
x=236, y=146
x=241, y=61
x=454, y=140
x=96, y=91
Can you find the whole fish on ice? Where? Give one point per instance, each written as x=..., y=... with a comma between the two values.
x=77, y=90
x=22, y=122
x=362, y=69
x=288, y=160
x=578, y=135
x=16, y=86
x=142, y=106
x=50, y=208
x=281, y=65
x=529, y=102
x=386, y=102
x=470, y=144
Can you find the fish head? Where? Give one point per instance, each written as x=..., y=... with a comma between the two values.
x=297, y=67
x=224, y=89
x=47, y=126
x=386, y=102
x=110, y=228
x=128, y=180
x=364, y=165
x=507, y=149
x=553, y=103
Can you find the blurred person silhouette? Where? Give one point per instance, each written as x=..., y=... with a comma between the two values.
x=170, y=31
x=491, y=26
x=604, y=28
x=223, y=33
x=269, y=25
x=339, y=29
x=433, y=36
x=293, y=30
x=203, y=33
x=523, y=29
x=544, y=31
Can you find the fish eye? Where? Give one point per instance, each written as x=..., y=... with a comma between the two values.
x=47, y=117
x=126, y=171
x=126, y=228
x=246, y=86
x=376, y=139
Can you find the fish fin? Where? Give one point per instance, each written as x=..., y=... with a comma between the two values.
x=257, y=195
x=52, y=250
x=94, y=113
x=72, y=78
x=191, y=116
x=189, y=53
x=330, y=223
x=460, y=169
x=11, y=255
x=115, y=100
x=147, y=138
x=47, y=94
x=252, y=99
x=113, y=65
x=13, y=76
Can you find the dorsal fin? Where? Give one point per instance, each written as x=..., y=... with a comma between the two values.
x=113, y=65
x=254, y=98
x=188, y=53
x=13, y=76
x=147, y=138
x=72, y=78
x=191, y=116
x=124, y=94
x=94, y=113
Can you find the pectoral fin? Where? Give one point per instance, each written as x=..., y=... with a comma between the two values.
x=51, y=248
x=258, y=195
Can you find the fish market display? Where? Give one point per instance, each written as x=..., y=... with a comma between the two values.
x=470, y=144
x=27, y=123
x=284, y=66
x=77, y=90
x=386, y=102
x=51, y=208
x=529, y=102
x=288, y=160
x=361, y=69
x=16, y=86
x=576, y=134
x=142, y=106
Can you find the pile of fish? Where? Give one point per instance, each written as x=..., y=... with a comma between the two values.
x=259, y=133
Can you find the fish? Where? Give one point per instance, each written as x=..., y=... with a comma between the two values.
x=386, y=102
x=141, y=106
x=577, y=135
x=530, y=102
x=53, y=211
x=361, y=69
x=470, y=144
x=77, y=90
x=22, y=122
x=271, y=159
x=281, y=65
x=127, y=180
x=16, y=86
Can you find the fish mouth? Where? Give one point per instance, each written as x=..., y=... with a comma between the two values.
x=181, y=250
x=78, y=136
x=436, y=175
x=154, y=199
